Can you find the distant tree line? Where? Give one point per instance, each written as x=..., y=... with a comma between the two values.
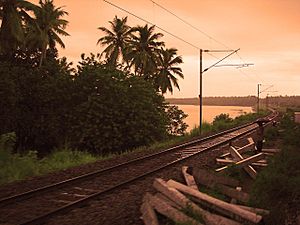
x=284, y=101
x=105, y=105
x=221, y=101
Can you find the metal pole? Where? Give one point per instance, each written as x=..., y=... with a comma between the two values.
x=258, y=98
x=200, y=93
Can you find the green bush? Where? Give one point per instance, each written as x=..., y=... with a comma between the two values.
x=120, y=111
x=278, y=186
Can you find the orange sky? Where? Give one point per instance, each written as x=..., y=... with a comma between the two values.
x=267, y=31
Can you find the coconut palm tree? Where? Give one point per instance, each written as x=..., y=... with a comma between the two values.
x=143, y=50
x=47, y=27
x=12, y=15
x=167, y=69
x=115, y=39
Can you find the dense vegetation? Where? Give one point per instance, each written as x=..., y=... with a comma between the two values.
x=19, y=166
x=278, y=186
x=112, y=102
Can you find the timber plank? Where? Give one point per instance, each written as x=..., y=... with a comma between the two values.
x=165, y=209
x=189, y=179
x=218, y=205
x=184, y=202
x=202, y=175
x=148, y=214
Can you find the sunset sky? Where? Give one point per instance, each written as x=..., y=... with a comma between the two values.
x=266, y=31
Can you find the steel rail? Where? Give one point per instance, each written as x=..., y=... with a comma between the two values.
x=27, y=194
x=83, y=201
x=80, y=202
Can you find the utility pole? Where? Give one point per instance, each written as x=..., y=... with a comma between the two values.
x=258, y=92
x=200, y=92
x=201, y=73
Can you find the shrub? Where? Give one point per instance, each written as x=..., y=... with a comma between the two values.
x=120, y=112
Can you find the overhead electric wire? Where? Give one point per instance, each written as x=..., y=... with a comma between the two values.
x=179, y=38
x=196, y=28
x=204, y=33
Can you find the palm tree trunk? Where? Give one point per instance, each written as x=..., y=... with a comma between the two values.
x=43, y=55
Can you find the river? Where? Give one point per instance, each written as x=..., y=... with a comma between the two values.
x=210, y=112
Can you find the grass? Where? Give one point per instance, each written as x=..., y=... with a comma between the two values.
x=18, y=167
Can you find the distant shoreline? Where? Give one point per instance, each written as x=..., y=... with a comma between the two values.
x=249, y=101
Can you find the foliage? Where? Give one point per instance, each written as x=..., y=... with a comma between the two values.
x=18, y=167
x=36, y=103
x=119, y=111
x=167, y=68
x=45, y=29
x=141, y=50
x=176, y=124
x=222, y=122
x=116, y=40
x=14, y=13
x=278, y=186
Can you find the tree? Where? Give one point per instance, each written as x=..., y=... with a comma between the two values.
x=116, y=40
x=167, y=69
x=144, y=50
x=117, y=111
x=176, y=116
x=12, y=33
x=47, y=27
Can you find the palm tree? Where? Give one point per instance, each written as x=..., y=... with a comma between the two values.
x=47, y=27
x=167, y=69
x=143, y=50
x=116, y=40
x=12, y=14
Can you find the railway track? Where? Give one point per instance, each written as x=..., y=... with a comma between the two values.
x=37, y=206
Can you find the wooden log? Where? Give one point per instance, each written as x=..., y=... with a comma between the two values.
x=231, y=161
x=220, y=206
x=268, y=150
x=260, y=164
x=243, y=149
x=168, y=200
x=259, y=211
x=165, y=209
x=249, y=169
x=148, y=214
x=228, y=191
x=202, y=175
x=184, y=202
x=189, y=179
x=225, y=161
x=245, y=163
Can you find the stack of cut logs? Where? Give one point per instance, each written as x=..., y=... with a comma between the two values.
x=185, y=204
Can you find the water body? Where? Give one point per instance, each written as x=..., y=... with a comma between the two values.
x=210, y=112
